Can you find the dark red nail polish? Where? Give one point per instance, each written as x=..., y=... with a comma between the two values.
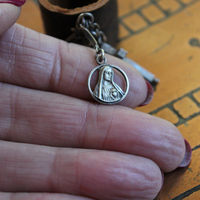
x=14, y=2
x=188, y=155
x=149, y=97
x=162, y=179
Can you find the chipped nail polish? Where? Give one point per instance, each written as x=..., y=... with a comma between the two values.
x=188, y=155
x=149, y=97
x=14, y=2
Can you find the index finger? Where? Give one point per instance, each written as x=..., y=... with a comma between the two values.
x=33, y=60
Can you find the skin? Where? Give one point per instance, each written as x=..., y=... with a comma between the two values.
x=56, y=143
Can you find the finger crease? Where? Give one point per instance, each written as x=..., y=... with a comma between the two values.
x=82, y=132
x=76, y=70
x=109, y=129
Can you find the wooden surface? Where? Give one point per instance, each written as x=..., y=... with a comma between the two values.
x=163, y=36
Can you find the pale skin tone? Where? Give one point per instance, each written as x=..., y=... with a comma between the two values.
x=56, y=143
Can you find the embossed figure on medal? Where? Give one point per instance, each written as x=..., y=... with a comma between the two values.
x=106, y=90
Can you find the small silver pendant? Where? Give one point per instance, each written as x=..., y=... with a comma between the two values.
x=106, y=91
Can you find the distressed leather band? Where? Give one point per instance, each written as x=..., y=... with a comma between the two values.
x=59, y=16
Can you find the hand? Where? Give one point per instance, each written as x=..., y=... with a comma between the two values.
x=57, y=143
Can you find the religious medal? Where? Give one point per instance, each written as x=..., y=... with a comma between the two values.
x=106, y=90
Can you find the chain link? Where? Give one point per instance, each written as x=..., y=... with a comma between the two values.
x=100, y=56
x=87, y=21
x=97, y=33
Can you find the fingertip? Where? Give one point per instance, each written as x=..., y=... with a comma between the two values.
x=175, y=148
x=188, y=155
x=138, y=91
x=14, y=2
x=9, y=14
x=138, y=88
x=150, y=93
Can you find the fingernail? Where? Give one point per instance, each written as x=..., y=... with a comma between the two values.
x=14, y=2
x=149, y=97
x=162, y=180
x=188, y=155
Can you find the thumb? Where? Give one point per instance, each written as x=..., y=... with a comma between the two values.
x=9, y=13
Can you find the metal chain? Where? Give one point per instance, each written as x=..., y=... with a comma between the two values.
x=87, y=20
x=97, y=39
x=97, y=33
x=100, y=56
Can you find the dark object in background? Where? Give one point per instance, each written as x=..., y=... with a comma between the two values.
x=59, y=16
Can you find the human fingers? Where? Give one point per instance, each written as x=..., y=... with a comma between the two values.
x=33, y=60
x=45, y=118
x=39, y=196
x=9, y=13
x=101, y=175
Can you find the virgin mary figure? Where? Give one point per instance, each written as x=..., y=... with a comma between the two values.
x=106, y=89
